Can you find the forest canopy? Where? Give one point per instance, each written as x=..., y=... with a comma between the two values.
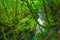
x=19, y=19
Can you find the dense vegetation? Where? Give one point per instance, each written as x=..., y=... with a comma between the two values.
x=19, y=18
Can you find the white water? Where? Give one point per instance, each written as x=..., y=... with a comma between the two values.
x=40, y=22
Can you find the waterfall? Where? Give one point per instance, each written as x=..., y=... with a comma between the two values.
x=40, y=22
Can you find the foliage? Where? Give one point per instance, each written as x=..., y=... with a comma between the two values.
x=18, y=19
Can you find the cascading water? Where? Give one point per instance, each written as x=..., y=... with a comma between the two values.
x=41, y=22
x=41, y=15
